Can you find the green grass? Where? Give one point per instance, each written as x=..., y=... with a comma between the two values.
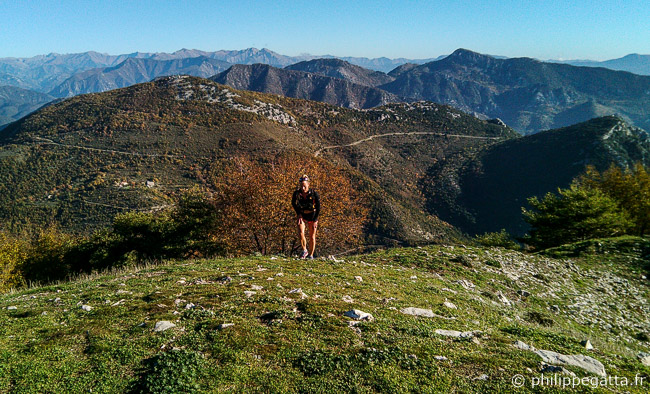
x=305, y=344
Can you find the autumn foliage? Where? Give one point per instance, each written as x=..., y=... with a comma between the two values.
x=254, y=204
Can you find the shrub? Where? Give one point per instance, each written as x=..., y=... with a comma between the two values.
x=12, y=256
x=501, y=239
x=574, y=214
x=176, y=371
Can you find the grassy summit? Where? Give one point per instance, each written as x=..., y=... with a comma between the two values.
x=291, y=334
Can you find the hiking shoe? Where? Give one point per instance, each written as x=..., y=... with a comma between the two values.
x=311, y=257
x=304, y=254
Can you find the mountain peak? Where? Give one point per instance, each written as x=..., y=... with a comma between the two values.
x=466, y=54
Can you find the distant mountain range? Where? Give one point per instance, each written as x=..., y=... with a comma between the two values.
x=527, y=94
x=136, y=70
x=311, y=86
x=634, y=63
x=16, y=102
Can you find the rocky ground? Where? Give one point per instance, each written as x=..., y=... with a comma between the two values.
x=430, y=319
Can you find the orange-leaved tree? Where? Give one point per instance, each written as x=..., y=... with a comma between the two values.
x=254, y=202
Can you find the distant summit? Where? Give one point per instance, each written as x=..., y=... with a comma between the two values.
x=341, y=69
x=527, y=94
x=306, y=85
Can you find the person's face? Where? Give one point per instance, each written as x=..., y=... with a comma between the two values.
x=304, y=186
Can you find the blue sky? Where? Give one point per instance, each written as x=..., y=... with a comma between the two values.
x=580, y=29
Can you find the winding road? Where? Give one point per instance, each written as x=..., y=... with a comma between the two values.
x=319, y=151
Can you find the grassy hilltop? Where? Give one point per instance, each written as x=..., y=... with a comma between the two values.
x=289, y=334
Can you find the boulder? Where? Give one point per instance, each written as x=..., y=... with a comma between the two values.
x=163, y=325
x=357, y=314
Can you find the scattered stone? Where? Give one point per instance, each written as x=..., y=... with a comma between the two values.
x=449, y=290
x=56, y=300
x=503, y=298
x=523, y=293
x=256, y=287
x=457, y=334
x=249, y=294
x=413, y=356
x=387, y=300
x=587, y=344
x=334, y=259
x=440, y=358
x=279, y=274
x=358, y=278
x=299, y=291
x=190, y=306
x=12, y=308
x=466, y=284
x=555, y=308
x=449, y=305
x=225, y=325
x=577, y=360
x=644, y=358
x=44, y=313
x=163, y=325
x=476, y=341
x=556, y=369
x=414, y=276
x=118, y=303
x=224, y=280
x=418, y=312
x=359, y=315
x=482, y=377
x=523, y=346
x=120, y=291
x=87, y=308
x=348, y=299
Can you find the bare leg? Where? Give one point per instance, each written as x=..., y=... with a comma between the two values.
x=301, y=232
x=312, y=235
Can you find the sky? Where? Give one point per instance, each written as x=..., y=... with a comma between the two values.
x=543, y=29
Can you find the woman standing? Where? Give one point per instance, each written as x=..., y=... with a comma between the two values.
x=306, y=203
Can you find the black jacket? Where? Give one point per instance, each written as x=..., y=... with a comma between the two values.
x=307, y=204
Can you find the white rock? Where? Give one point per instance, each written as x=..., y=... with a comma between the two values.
x=523, y=346
x=87, y=308
x=466, y=284
x=249, y=294
x=440, y=358
x=225, y=325
x=358, y=278
x=644, y=358
x=418, y=312
x=457, y=334
x=190, y=306
x=449, y=305
x=348, y=299
x=587, y=363
x=163, y=325
x=503, y=298
x=359, y=315
x=587, y=344
x=256, y=287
